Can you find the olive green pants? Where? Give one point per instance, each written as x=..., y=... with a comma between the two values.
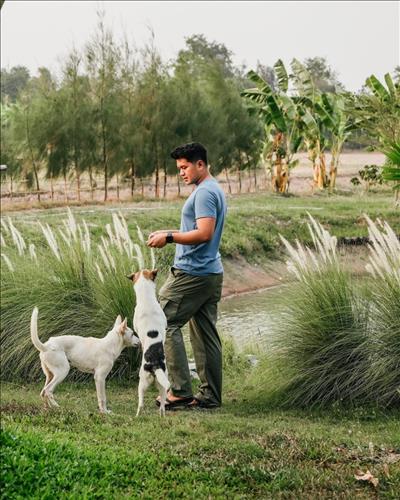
x=184, y=298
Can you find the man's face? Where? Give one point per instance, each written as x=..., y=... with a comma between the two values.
x=191, y=173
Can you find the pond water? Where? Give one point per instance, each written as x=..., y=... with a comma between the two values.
x=248, y=318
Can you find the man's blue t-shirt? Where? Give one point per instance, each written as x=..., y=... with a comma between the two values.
x=207, y=200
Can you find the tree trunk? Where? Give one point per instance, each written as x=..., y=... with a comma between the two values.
x=228, y=181
x=78, y=183
x=249, y=180
x=132, y=177
x=51, y=186
x=35, y=173
x=105, y=163
x=77, y=173
x=285, y=178
x=321, y=182
x=65, y=185
x=11, y=187
x=157, y=181
x=276, y=180
x=142, y=185
x=165, y=178
x=178, y=184
x=332, y=174
x=117, y=187
x=91, y=183
x=239, y=177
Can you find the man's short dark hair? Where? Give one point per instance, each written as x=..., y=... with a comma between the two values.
x=194, y=151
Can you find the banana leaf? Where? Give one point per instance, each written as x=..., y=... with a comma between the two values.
x=281, y=73
x=377, y=88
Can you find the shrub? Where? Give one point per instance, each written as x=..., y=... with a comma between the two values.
x=337, y=341
x=79, y=287
x=383, y=342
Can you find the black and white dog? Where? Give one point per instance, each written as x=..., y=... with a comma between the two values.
x=150, y=323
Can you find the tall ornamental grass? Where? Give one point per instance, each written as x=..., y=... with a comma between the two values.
x=336, y=341
x=383, y=343
x=318, y=339
x=79, y=286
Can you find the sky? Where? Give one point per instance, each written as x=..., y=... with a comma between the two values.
x=357, y=38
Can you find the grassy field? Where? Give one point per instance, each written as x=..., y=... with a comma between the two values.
x=253, y=224
x=246, y=449
x=243, y=450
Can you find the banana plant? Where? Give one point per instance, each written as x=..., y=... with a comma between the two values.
x=339, y=124
x=378, y=111
x=314, y=122
x=281, y=118
x=391, y=169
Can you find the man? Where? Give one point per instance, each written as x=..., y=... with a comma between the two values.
x=193, y=288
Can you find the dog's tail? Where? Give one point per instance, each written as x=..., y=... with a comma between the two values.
x=162, y=378
x=34, y=334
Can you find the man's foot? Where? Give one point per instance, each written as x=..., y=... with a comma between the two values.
x=200, y=404
x=174, y=401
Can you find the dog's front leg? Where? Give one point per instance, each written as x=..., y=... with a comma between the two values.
x=100, y=380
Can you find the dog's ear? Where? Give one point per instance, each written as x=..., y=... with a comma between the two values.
x=131, y=276
x=154, y=274
x=118, y=321
x=122, y=326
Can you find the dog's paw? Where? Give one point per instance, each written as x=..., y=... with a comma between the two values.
x=106, y=411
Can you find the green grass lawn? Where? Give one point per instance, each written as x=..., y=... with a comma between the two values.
x=246, y=449
x=243, y=450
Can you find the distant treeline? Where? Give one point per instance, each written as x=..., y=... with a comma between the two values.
x=117, y=111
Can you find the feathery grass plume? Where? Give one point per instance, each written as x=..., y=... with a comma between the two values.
x=103, y=254
x=110, y=234
x=140, y=235
x=153, y=258
x=127, y=237
x=99, y=272
x=86, y=242
x=118, y=232
x=139, y=256
x=2, y=241
x=303, y=260
x=32, y=251
x=105, y=242
x=4, y=226
x=8, y=262
x=17, y=237
x=383, y=343
x=51, y=240
x=317, y=342
x=71, y=223
x=66, y=238
x=384, y=252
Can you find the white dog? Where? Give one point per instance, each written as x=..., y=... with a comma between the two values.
x=150, y=323
x=87, y=354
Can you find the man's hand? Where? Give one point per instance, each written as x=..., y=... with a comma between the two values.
x=157, y=239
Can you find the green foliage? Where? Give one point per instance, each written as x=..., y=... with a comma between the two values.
x=13, y=82
x=378, y=111
x=391, y=170
x=324, y=78
x=79, y=288
x=370, y=175
x=118, y=112
x=335, y=342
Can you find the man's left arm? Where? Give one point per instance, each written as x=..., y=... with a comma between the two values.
x=203, y=233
